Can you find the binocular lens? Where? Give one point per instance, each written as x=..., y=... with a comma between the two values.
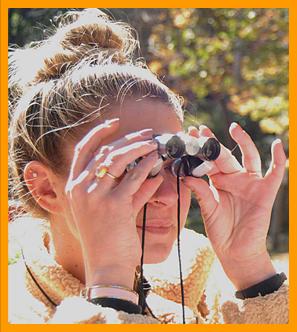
x=175, y=147
x=211, y=149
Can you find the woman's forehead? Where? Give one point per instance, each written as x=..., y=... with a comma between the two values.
x=138, y=115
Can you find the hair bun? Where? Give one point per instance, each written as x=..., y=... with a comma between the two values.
x=89, y=35
x=102, y=36
x=93, y=27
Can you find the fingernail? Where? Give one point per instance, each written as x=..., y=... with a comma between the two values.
x=201, y=127
x=233, y=125
x=145, y=132
x=191, y=128
x=278, y=141
x=205, y=131
x=109, y=122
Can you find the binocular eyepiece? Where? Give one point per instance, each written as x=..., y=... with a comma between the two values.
x=186, y=152
x=174, y=146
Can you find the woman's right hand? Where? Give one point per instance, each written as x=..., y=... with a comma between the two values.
x=104, y=210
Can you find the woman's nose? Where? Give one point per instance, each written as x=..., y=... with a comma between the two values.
x=166, y=194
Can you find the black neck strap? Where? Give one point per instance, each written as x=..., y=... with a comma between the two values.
x=36, y=282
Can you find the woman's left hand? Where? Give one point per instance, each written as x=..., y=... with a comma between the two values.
x=236, y=206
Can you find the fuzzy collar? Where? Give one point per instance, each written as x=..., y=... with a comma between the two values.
x=197, y=258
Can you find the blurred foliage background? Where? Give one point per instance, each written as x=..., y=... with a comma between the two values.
x=228, y=64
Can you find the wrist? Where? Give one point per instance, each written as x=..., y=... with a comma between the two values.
x=112, y=275
x=244, y=274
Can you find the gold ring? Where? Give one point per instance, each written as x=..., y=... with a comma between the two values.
x=101, y=172
x=111, y=176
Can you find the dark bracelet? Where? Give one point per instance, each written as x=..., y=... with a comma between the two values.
x=117, y=304
x=265, y=287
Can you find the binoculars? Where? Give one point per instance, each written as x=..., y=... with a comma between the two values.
x=186, y=152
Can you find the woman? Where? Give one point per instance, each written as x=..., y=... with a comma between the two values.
x=83, y=111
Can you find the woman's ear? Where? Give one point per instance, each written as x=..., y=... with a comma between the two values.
x=40, y=182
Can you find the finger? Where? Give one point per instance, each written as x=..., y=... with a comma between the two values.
x=193, y=131
x=207, y=167
x=205, y=131
x=117, y=161
x=135, y=178
x=226, y=182
x=275, y=173
x=85, y=149
x=204, y=195
x=250, y=155
x=105, y=183
x=146, y=192
x=226, y=162
x=144, y=134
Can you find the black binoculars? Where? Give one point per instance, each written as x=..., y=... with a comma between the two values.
x=186, y=152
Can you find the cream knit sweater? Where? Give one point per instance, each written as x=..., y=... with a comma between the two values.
x=208, y=294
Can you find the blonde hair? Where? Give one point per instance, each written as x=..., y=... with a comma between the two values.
x=86, y=66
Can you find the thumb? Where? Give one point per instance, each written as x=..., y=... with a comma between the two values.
x=204, y=195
